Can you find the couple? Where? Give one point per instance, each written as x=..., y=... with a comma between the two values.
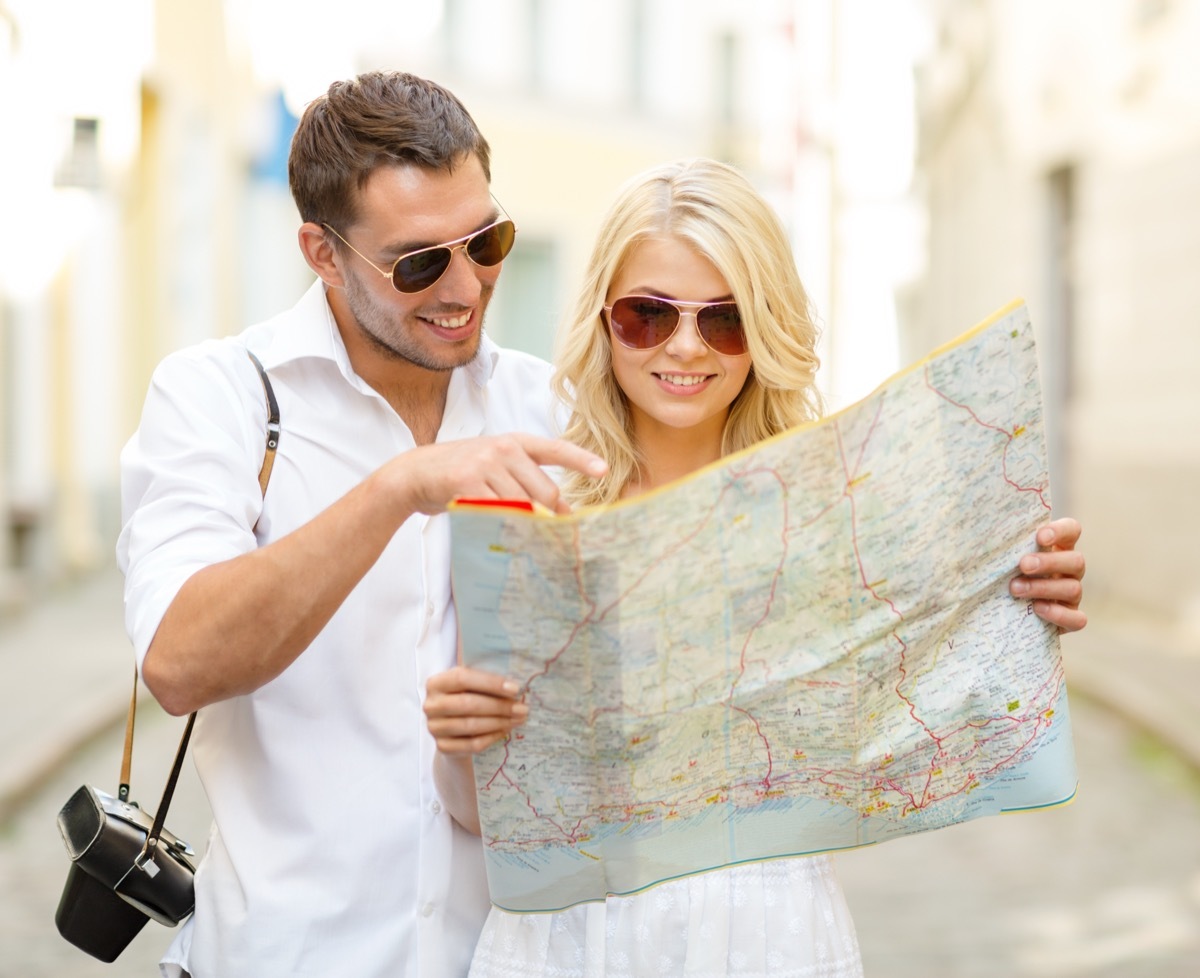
x=307, y=625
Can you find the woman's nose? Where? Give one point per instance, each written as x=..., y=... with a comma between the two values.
x=686, y=342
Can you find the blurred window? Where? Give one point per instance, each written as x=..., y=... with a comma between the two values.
x=535, y=64
x=525, y=312
x=1059, y=327
x=639, y=55
x=80, y=166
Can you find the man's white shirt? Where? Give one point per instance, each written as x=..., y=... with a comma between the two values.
x=331, y=853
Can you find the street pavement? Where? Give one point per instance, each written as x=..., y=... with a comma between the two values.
x=1107, y=886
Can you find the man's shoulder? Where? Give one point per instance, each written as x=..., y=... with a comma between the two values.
x=516, y=364
x=520, y=398
x=216, y=357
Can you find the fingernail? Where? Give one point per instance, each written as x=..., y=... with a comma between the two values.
x=1030, y=564
x=597, y=466
x=520, y=710
x=1045, y=536
x=511, y=687
x=1020, y=587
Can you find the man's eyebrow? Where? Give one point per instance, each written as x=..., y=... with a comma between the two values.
x=402, y=248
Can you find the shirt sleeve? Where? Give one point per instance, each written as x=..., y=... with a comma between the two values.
x=189, y=478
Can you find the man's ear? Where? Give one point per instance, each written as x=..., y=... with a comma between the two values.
x=319, y=254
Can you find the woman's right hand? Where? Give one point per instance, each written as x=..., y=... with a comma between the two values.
x=467, y=710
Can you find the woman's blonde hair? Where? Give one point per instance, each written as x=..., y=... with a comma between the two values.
x=715, y=210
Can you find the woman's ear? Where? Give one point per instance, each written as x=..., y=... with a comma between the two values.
x=320, y=254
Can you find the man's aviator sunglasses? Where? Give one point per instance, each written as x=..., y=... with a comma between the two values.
x=418, y=270
x=643, y=322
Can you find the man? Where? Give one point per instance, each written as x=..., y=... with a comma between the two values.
x=303, y=625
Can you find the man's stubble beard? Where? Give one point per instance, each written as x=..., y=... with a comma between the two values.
x=386, y=333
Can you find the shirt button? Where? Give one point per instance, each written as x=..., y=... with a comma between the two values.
x=427, y=910
x=436, y=808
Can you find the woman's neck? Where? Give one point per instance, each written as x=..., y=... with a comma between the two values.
x=669, y=454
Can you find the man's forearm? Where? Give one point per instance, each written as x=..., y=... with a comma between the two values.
x=236, y=625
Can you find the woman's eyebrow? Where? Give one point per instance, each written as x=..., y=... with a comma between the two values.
x=650, y=290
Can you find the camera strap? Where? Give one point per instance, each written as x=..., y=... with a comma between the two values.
x=160, y=815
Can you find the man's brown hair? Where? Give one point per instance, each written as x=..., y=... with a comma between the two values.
x=379, y=118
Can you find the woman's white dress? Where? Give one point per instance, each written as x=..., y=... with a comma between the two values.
x=785, y=919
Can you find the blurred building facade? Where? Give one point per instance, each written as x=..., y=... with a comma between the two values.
x=149, y=207
x=1059, y=161
x=126, y=184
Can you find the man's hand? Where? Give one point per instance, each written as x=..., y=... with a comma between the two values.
x=493, y=467
x=468, y=710
x=1053, y=577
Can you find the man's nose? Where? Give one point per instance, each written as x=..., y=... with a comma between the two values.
x=461, y=283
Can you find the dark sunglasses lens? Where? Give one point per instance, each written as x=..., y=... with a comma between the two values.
x=721, y=327
x=492, y=245
x=643, y=323
x=418, y=271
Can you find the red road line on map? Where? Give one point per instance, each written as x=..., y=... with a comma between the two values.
x=1055, y=679
x=578, y=625
x=678, y=546
x=991, y=427
x=766, y=781
x=849, y=496
x=571, y=835
x=892, y=785
x=850, y=474
x=883, y=784
x=590, y=617
x=862, y=449
x=1037, y=720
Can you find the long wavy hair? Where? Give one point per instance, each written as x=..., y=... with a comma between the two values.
x=713, y=208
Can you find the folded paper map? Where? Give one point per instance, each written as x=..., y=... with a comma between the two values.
x=807, y=646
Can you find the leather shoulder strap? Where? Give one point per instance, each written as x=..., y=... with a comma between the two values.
x=264, y=477
x=264, y=474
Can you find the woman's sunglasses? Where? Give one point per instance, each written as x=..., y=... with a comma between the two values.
x=418, y=270
x=643, y=322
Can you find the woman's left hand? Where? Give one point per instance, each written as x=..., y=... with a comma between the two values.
x=1053, y=577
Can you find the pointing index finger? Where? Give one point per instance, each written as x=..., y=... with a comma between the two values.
x=560, y=452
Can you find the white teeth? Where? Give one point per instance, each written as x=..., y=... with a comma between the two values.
x=454, y=323
x=683, y=381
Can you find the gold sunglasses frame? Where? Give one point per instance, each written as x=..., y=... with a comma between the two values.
x=682, y=308
x=458, y=244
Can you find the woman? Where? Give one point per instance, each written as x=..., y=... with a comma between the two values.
x=692, y=338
